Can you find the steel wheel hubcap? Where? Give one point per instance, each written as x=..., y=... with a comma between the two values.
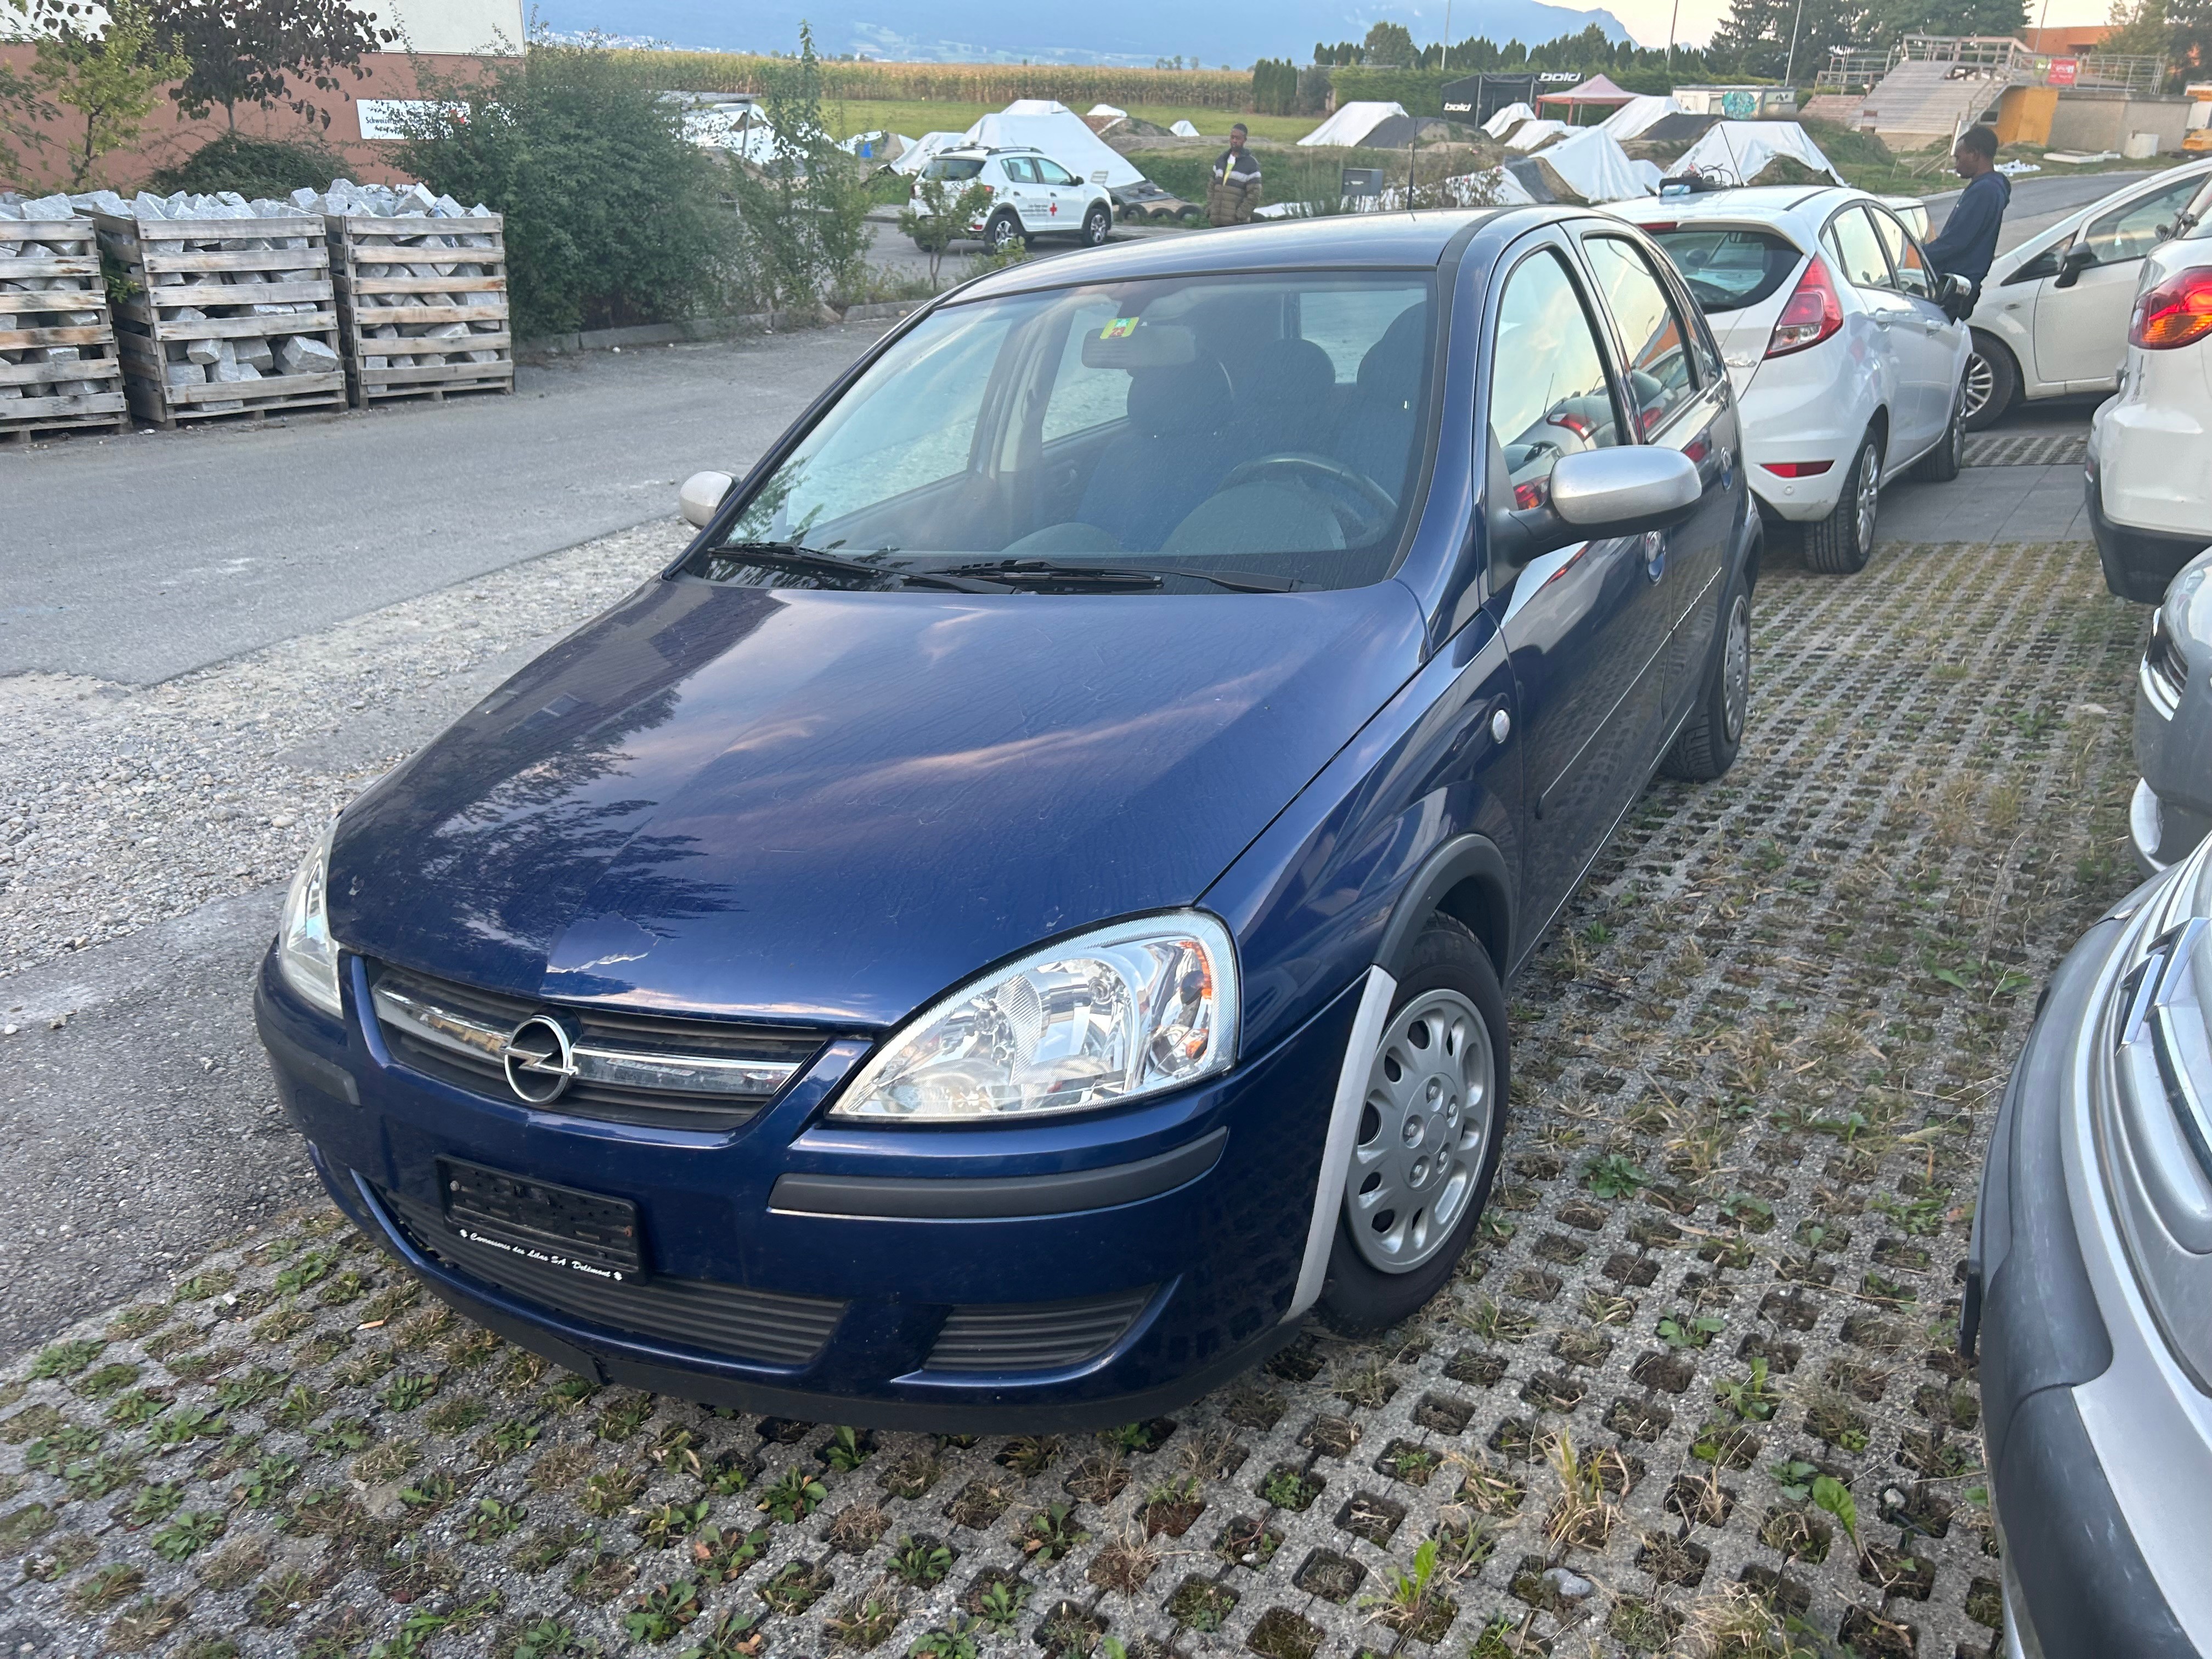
x=1735, y=683
x=1981, y=380
x=1423, y=1130
x=1869, y=494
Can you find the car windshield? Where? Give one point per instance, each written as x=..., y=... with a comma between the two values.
x=955, y=168
x=1728, y=270
x=1257, y=426
x=2197, y=217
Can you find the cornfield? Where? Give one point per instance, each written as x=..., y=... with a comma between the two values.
x=1077, y=85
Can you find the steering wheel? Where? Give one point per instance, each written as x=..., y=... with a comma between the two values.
x=1381, y=504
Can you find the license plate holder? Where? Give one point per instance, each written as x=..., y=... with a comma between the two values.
x=543, y=1222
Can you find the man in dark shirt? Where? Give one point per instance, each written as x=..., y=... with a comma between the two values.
x=1232, y=194
x=1969, y=240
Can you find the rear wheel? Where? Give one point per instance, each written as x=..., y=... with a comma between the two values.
x=1425, y=1152
x=1941, y=465
x=1844, y=541
x=1095, y=225
x=1992, y=383
x=1003, y=232
x=1708, y=745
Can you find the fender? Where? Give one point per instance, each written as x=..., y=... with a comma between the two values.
x=1468, y=861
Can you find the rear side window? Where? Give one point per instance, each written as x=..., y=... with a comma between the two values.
x=955, y=168
x=1021, y=169
x=1859, y=259
x=1730, y=269
x=1655, y=342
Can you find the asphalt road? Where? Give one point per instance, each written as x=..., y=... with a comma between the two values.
x=2038, y=201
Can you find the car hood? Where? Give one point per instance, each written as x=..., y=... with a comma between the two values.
x=828, y=807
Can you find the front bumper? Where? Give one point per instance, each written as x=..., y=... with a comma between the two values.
x=1207, y=1266
x=2087, y=1445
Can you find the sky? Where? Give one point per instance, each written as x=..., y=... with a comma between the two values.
x=1647, y=19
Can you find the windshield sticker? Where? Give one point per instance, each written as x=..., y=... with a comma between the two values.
x=1120, y=329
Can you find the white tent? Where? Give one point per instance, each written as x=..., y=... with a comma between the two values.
x=1496, y=188
x=1110, y=112
x=1739, y=151
x=1058, y=132
x=1507, y=119
x=916, y=155
x=1184, y=129
x=1529, y=134
x=1351, y=123
x=1637, y=116
x=877, y=146
x=1594, y=167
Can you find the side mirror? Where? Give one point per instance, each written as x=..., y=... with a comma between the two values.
x=2079, y=258
x=702, y=493
x=1597, y=493
x=1956, y=295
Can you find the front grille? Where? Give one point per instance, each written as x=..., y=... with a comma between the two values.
x=632, y=1068
x=1033, y=1336
x=728, y=1319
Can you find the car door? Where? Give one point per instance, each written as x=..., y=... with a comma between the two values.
x=1063, y=196
x=1929, y=342
x=1856, y=247
x=2081, y=325
x=1583, y=625
x=1682, y=401
x=1022, y=185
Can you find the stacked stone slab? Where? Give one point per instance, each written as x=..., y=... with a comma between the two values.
x=58, y=363
x=226, y=307
x=421, y=291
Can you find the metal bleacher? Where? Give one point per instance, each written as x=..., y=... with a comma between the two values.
x=1927, y=88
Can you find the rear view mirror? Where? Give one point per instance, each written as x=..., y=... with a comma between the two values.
x=702, y=493
x=2079, y=258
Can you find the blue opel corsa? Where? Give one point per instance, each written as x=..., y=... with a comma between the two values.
x=1014, y=918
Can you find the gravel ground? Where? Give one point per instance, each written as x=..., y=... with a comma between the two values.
x=1693, y=1389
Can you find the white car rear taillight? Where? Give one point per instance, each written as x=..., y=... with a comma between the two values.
x=1812, y=313
x=2178, y=312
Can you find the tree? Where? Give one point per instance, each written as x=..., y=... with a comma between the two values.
x=805, y=205
x=1388, y=46
x=1756, y=34
x=937, y=216
x=109, y=76
x=267, y=52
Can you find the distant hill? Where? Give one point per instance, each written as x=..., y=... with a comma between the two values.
x=1135, y=32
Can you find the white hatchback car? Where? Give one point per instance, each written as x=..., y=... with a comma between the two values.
x=1031, y=196
x=2150, y=449
x=2052, y=320
x=1844, y=361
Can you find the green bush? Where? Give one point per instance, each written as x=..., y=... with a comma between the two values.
x=804, y=209
x=252, y=166
x=612, y=217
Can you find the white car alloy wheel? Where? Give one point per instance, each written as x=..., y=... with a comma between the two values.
x=1424, y=1128
x=1868, y=504
x=1736, y=671
x=1002, y=233
x=1981, y=384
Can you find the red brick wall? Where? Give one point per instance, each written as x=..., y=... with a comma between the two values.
x=168, y=137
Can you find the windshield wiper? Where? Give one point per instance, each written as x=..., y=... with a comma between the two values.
x=1045, y=572
x=790, y=555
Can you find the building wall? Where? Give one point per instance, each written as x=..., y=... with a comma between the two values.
x=2090, y=122
x=168, y=137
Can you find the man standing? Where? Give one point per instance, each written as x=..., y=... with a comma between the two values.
x=1232, y=196
x=1969, y=240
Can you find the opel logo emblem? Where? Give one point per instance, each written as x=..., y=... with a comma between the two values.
x=539, y=1061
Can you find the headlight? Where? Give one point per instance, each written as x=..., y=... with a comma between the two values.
x=307, y=955
x=1110, y=1016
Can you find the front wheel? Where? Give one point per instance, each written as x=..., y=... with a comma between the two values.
x=1096, y=224
x=1425, y=1151
x=1844, y=541
x=1992, y=383
x=1707, y=745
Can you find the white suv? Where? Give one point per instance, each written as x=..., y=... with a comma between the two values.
x=2150, y=451
x=1031, y=196
x=2053, y=316
x=1844, y=360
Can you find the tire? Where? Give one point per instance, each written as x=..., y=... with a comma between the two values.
x=1707, y=746
x=1941, y=465
x=1097, y=225
x=1844, y=541
x=1002, y=232
x=1449, y=985
x=1992, y=383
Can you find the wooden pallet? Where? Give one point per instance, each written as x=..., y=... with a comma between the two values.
x=143, y=251
x=42, y=409
x=362, y=307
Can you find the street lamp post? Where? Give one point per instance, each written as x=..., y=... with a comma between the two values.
x=1790, y=69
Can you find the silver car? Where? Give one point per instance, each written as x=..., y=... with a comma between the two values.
x=2089, y=1290
x=2172, y=810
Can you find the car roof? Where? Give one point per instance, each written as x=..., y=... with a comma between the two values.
x=1349, y=240
x=1760, y=202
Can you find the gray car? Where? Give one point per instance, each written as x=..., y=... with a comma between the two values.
x=2172, y=810
x=2089, y=1290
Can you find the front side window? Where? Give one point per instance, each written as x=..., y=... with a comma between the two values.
x=1052, y=172
x=1267, y=425
x=1912, y=276
x=1549, y=396
x=1655, y=342
x=1859, y=259
x=2128, y=233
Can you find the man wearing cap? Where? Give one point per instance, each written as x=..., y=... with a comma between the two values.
x=1232, y=195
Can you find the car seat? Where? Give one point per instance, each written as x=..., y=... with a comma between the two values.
x=1377, y=436
x=1151, y=476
